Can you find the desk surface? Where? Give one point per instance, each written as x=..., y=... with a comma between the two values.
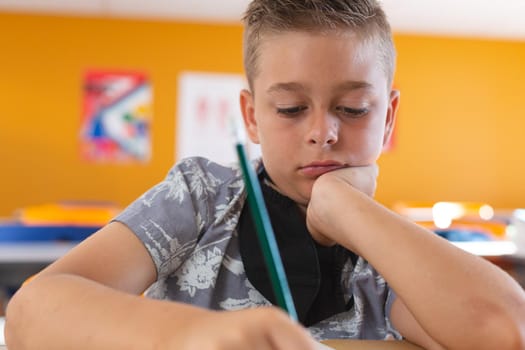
x=346, y=344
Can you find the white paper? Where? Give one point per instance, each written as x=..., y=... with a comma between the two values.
x=321, y=346
x=206, y=103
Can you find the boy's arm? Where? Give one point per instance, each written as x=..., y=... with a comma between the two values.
x=88, y=300
x=444, y=293
x=410, y=328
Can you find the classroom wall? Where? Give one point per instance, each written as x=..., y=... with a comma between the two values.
x=461, y=124
x=459, y=135
x=42, y=63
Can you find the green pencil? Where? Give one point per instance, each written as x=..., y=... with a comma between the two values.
x=265, y=235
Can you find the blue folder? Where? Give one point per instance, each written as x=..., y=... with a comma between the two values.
x=17, y=232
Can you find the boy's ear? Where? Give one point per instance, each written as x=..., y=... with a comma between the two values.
x=391, y=115
x=248, y=115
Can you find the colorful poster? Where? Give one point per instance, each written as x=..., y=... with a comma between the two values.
x=116, y=117
x=207, y=105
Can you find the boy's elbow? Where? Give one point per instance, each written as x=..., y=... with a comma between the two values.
x=513, y=337
x=508, y=330
x=517, y=324
x=12, y=322
x=518, y=330
x=16, y=319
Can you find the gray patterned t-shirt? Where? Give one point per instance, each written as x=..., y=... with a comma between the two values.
x=188, y=223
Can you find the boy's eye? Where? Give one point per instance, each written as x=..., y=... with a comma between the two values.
x=352, y=112
x=291, y=111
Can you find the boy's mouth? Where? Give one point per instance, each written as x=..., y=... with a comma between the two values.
x=316, y=169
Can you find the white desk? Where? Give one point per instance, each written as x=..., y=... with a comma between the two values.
x=18, y=261
x=2, y=340
x=488, y=248
x=11, y=253
x=40, y=252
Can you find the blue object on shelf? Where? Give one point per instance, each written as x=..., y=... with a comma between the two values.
x=455, y=235
x=17, y=232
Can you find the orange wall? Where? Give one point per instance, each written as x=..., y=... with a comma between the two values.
x=460, y=134
x=42, y=61
x=461, y=125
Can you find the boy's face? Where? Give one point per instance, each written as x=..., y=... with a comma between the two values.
x=320, y=102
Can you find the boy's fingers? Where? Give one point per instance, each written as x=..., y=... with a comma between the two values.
x=266, y=328
x=287, y=334
x=272, y=329
x=361, y=177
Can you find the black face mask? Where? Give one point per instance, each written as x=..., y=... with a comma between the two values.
x=313, y=271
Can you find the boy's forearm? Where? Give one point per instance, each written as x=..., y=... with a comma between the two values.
x=70, y=312
x=449, y=291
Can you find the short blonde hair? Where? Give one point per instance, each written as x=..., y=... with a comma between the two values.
x=366, y=18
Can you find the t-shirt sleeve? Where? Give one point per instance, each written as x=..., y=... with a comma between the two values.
x=373, y=300
x=169, y=217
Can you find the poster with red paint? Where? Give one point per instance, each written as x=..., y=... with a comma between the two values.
x=207, y=104
x=116, y=117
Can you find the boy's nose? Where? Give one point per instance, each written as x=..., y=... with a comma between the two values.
x=324, y=130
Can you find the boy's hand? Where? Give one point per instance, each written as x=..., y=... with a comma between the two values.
x=329, y=193
x=258, y=328
x=363, y=178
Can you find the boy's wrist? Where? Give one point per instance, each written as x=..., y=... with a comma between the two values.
x=333, y=211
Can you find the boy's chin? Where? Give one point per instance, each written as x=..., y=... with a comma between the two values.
x=303, y=200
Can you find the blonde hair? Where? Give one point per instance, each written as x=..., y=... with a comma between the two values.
x=365, y=18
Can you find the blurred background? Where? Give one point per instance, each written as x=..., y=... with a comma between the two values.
x=460, y=70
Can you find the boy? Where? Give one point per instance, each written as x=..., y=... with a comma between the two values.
x=321, y=106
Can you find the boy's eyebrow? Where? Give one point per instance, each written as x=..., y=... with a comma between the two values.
x=354, y=85
x=286, y=87
x=345, y=86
